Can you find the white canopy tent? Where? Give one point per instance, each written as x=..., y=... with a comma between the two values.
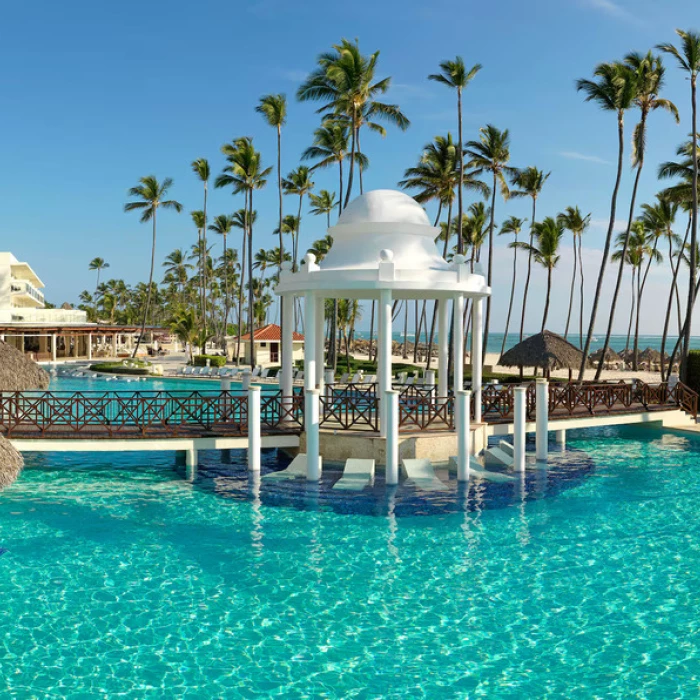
x=384, y=249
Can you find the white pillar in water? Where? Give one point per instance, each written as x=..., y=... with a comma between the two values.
x=520, y=415
x=384, y=354
x=477, y=356
x=560, y=436
x=191, y=462
x=320, y=342
x=391, y=399
x=310, y=342
x=311, y=426
x=443, y=346
x=458, y=350
x=254, y=438
x=541, y=419
x=287, y=368
x=463, y=434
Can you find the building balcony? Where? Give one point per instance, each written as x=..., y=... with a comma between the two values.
x=24, y=294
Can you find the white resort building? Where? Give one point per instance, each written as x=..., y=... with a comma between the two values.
x=268, y=340
x=52, y=334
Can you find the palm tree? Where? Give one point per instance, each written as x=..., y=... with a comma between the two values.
x=648, y=78
x=244, y=173
x=511, y=226
x=298, y=182
x=322, y=203
x=176, y=266
x=184, y=327
x=545, y=251
x=320, y=248
x=688, y=58
x=529, y=183
x=274, y=110
x=491, y=153
x=344, y=81
x=330, y=146
x=613, y=91
x=222, y=225
x=240, y=221
x=150, y=194
x=200, y=221
x=455, y=75
x=574, y=221
x=98, y=264
x=200, y=167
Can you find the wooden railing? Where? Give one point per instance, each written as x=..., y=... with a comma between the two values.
x=141, y=413
x=426, y=413
x=349, y=409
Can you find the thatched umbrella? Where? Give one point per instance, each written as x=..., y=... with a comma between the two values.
x=610, y=356
x=546, y=350
x=650, y=355
x=17, y=373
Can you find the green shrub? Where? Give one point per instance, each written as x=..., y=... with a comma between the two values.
x=693, y=374
x=143, y=369
x=214, y=360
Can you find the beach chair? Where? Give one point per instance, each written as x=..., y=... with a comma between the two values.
x=296, y=470
x=410, y=380
x=420, y=473
x=356, y=378
x=402, y=377
x=300, y=376
x=256, y=372
x=264, y=373
x=344, y=378
x=371, y=379
x=357, y=474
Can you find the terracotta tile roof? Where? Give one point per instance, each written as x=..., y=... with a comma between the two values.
x=270, y=332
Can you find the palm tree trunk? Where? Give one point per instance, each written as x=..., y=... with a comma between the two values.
x=546, y=303
x=529, y=269
x=150, y=286
x=296, y=238
x=204, y=264
x=693, y=239
x=674, y=288
x=460, y=159
x=580, y=316
x=405, y=331
x=606, y=249
x=251, y=300
x=620, y=271
x=629, y=326
x=352, y=158
x=281, y=217
x=436, y=305
x=635, y=351
x=512, y=295
x=359, y=164
x=340, y=196
x=226, y=290
x=487, y=322
x=571, y=293
x=241, y=287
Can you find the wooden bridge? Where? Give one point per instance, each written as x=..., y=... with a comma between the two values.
x=105, y=415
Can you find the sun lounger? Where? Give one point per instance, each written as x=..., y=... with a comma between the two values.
x=372, y=379
x=356, y=475
x=256, y=372
x=420, y=473
x=356, y=378
x=476, y=471
x=410, y=380
x=296, y=470
x=344, y=378
x=264, y=373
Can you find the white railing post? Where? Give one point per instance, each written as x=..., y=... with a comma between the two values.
x=391, y=399
x=462, y=416
x=254, y=439
x=311, y=426
x=520, y=411
x=542, y=419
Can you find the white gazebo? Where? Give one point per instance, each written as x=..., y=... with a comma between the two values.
x=383, y=249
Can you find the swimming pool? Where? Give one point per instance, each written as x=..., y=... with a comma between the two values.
x=120, y=579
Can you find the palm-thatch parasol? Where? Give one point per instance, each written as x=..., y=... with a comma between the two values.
x=610, y=356
x=17, y=373
x=546, y=349
x=650, y=355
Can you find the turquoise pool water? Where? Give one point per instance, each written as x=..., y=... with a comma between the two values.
x=119, y=579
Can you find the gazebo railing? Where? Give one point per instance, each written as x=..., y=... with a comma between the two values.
x=349, y=410
x=426, y=412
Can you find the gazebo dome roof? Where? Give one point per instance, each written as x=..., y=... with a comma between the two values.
x=383, y=240
x=383, y=206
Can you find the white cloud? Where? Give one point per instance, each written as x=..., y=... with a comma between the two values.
x=602, y=224
x=612, y=9
x=410, y=91
x=575, y=155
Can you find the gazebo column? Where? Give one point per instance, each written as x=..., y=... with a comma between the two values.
x=384, y=355
x=114, y=344
x=477, y=358
x=458, y=342
x=287, y=367
x=320, y=342
x=89, y=346
x=310, y=342
x=443, y=346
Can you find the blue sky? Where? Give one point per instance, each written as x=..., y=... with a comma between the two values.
x=96, y=95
